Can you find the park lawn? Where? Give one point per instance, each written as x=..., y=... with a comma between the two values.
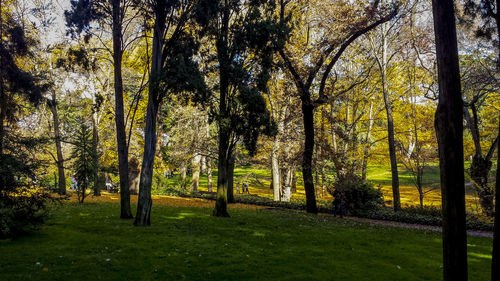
x=89, y=242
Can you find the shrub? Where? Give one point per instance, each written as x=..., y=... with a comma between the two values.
x=355, y=193
x=22, y=206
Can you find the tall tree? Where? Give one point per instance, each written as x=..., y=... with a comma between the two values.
x=449, y=132
x=495, y=255
x=79, y=19
x=173, y=71
x=317, y=59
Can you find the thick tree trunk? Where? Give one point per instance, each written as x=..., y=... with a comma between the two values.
x=308, y=114
x=222, y=173
x=144, y=203
x=449, y=131
x=196, y=163
x=121, y=138
x=57, y=135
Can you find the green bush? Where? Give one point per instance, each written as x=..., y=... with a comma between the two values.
x=355, y=194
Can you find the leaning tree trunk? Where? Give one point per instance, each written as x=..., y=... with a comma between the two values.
x=449, y=131
x=121, y=138
x=308, y=115
x=144, y=203
x=57, y=134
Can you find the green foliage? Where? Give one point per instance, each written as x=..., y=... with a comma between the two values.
x=185, y=243
x=355, y=194
x=83, y=153
x=22, y=205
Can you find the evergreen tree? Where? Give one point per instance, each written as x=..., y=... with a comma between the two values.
x=245, y=35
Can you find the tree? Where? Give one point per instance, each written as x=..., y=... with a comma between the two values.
x=449, y=132
x=495, y=255
x=83, y=153
x=317, y=60
x=245, y=34
x=173, y=71
x=79, y=19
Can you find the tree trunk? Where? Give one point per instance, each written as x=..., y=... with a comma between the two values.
x=95, y=154
x=230, y=180
x=495, y=265
x=57, y=134
x=449, y=132
x=183, y=171
x=209, y=175
x=222, y=173
x=196, y=163
x=366, y=148
x=390, y=124
x=308, y=114
x=121, y=138
x=144, y=203
x=275, y=169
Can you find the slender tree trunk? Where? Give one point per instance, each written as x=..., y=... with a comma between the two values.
x=449, y=131
x=495, y=264
x=144, y=203
x=308, y=115
x=209, y=175
x=366, y=148
x=275, y=169
x=121, y=138
x=230, y=180
x=390, y=123
x=196, y=163
x=3, y=96
x=95, y=154
x=57, y=135
x=183, y=171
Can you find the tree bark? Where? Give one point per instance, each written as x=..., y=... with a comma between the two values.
x=308, y=115
x=230, y=180
x=390, y=124
x=275, y=169
x=222, y=174
x=449, y=132
x=196, y=163
x=366, y=148
x=95, y=154
x=121, y=138
x=495, y=264
x=144, y=203
x=209, y=175
x=57, y=135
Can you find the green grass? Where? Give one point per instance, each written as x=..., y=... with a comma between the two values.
x=381, y=174
x=187, y=243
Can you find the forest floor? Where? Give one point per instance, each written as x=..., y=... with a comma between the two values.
x=184, y=242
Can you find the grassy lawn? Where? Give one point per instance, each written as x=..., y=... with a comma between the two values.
x=89, y=242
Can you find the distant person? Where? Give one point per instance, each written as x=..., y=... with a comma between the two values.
x=245, y=188
x=74, y=183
